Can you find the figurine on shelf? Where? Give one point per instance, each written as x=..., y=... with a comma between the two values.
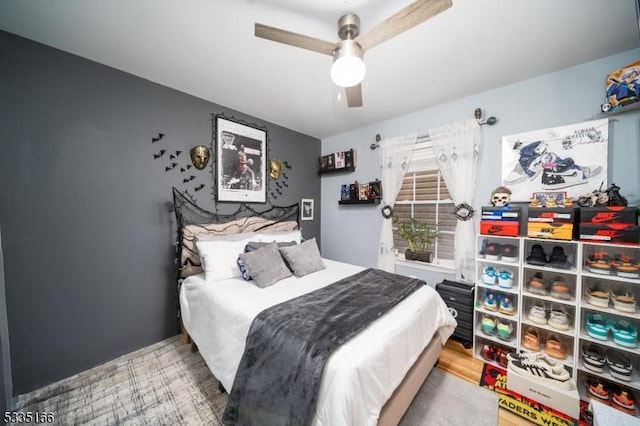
x=615, y=199
x=568, y=201
x=500, y=197
x=533, y=202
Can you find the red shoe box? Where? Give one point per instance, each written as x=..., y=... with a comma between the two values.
x=608, y=215
x=500, y=228
x=610, y=233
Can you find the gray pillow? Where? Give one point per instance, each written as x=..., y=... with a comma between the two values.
x=303, y=258
x=256, y=245
x=265, y=265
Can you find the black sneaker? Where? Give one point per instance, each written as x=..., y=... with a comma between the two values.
x=593, y=357
x=537, y=256
x=493, y=251
x=619, y=365
x=510, y=253
x=558, y=259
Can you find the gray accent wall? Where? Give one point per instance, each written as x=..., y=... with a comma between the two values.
x=86, y=233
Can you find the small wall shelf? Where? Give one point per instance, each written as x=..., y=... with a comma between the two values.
x=341, y=170
x=372, y=201
x=338, y=162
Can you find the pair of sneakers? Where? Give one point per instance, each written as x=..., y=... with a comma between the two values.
x=492, y=276
x=539, y=368
x=503, y=329
x=556, y=317
x=502, y=303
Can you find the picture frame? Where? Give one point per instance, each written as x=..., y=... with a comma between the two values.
x=306, y=209
x=549, y=199
x=241, y=161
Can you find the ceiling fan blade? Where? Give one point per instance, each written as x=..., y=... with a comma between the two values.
x=354, y=96
x=295, y=39
x=407, y=18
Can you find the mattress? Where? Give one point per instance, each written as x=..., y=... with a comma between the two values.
x=358, y=378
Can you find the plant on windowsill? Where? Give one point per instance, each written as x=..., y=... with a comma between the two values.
x=419, y=236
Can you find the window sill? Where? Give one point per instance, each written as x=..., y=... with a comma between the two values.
x=446, y=269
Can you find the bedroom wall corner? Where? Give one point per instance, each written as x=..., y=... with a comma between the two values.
x=87, y=236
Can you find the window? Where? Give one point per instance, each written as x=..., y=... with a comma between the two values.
x=425, y=197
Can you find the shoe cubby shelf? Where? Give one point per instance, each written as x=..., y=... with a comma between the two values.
x=560, y=278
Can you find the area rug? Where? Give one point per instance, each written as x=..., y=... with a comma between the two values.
x=167, y=384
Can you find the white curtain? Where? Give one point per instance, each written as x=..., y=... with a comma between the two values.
x=457, y=147
x=395, y=155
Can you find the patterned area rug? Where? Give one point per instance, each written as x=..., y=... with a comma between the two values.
x=162, y=384
x=167, y=384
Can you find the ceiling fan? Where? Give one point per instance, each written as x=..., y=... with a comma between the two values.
x=348, y=68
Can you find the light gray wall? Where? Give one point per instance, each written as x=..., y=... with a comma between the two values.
x=86, y=234
x=351, y=233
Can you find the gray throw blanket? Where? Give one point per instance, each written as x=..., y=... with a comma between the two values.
x=288, y=344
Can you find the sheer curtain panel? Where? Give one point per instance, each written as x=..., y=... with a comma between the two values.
x=457, y=148
x=395, y=155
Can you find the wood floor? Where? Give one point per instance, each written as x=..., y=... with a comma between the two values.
x=457, y=360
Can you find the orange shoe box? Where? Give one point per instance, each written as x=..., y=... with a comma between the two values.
x=551, y=230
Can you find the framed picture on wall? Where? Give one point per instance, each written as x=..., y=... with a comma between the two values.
x=241, y=152
x=307, y=209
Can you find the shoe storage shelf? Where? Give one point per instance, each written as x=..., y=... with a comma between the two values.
x=609, y=361
x=574, y=301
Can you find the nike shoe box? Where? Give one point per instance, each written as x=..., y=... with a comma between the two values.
x=566, y=402
x=552, y=223
x=500, y=228
x=610, y=233
x=508, y=214
x=459, y=298
x=609, y=215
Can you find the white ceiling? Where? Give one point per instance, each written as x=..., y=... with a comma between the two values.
x=207, y=48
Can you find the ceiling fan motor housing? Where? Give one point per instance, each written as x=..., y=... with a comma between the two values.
x=348, y=26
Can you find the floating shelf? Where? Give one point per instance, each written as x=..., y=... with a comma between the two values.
x=629, y=108
x=374, y=201
x=340, y=170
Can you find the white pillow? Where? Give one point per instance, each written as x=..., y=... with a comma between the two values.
x=279, y=236
x=219, y=257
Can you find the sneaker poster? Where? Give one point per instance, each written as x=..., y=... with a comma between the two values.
x=571, y=159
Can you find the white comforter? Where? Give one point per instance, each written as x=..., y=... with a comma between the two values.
x=358, y=378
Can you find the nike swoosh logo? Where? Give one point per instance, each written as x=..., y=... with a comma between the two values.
x=603, y=218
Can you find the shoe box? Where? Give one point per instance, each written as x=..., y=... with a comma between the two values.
x=500, y=221
x=610, y=233
x=567, y=402
x=459, y=297
x=553, y=223
x=611, y=224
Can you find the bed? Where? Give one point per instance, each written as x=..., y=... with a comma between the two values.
x=369, y=380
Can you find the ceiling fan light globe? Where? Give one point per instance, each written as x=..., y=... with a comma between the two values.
x=348, y=67
x=348, y=71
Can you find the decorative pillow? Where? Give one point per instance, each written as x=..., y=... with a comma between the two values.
x=219, y=257
x=265, y=266
x=243, y=270
x=279, y=236
x=303, y=258
x=257, y=245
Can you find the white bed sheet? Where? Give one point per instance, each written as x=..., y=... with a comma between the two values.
x=358, y=378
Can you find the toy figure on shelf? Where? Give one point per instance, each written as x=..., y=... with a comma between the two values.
x=533, y=202
x=615, y=199
x=500, y=197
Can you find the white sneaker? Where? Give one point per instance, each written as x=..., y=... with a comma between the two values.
x=542, y=370
x=505, y=278
x=537, y=314
x=489, y=276
x=559, y=319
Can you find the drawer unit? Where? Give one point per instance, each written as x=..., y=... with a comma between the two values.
x=459, y=297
